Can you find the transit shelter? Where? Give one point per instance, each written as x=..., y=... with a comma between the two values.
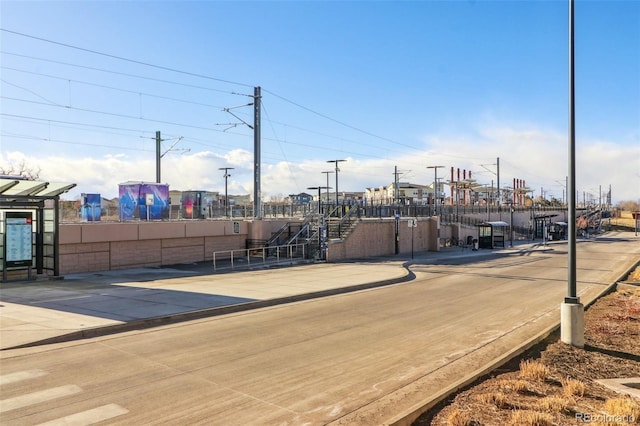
x=491, y=234
x=29, y=227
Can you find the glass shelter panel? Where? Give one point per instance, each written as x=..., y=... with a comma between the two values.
x=48, y=240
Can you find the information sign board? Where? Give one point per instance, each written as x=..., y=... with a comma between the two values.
x=19, y=248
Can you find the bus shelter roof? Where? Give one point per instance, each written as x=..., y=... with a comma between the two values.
x=494, y=224
x=12, y=188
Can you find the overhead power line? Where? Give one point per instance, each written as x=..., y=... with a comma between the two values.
x=8, y=135
x=210, y=78
x=134, y=61
x=111, y=114
x=342, y=123
x=296, y=104
x=124, y=74
x=102, y=86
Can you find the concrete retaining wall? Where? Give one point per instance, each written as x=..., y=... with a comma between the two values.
x=376, y=237
x=93, y=247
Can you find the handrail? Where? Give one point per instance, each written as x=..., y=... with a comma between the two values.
x=281, y=253
x=331, y=213
x=346, y=220
x=277, y=234
x=304, y=227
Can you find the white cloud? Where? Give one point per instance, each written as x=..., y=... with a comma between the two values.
x=536, y=155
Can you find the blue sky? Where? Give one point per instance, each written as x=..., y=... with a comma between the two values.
x=380, y=84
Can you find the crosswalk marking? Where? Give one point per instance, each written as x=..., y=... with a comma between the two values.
x=38, y=397
x=83, y=418
x=89, y=417
x=5, y=379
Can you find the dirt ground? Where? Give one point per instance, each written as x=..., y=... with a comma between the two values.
x=554, y=383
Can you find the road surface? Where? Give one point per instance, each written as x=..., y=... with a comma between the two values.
x=359, y=358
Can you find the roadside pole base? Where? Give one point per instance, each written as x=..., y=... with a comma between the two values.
x=572, y=324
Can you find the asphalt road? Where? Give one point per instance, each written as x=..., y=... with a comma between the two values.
x=359, y=358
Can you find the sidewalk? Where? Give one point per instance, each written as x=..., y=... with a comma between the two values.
x=86, y=305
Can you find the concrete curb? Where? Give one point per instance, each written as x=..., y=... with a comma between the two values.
x=208, y=313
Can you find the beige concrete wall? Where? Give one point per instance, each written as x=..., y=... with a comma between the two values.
x=92, y=247
x=264, y=229
x=376, y=237
x=90, y=257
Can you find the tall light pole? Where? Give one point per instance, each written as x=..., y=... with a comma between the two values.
x=435, y=187
x=327, y=192
x=571, y=310
x=321, y=228
x=226, y=194
x=257, y=168
x=337, y=170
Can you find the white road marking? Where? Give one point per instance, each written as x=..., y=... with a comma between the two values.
x=89, y=417
x=38, y=397
x=21, y=375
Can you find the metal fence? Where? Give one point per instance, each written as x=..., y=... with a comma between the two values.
x=262, y=256
x=70, y=212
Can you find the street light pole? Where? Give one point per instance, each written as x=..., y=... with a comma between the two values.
x=511, y=210
x=327, y=192
x=435, y=187
x=571, y=310
x=337, y=170
x=321, y=236
x=226, y=194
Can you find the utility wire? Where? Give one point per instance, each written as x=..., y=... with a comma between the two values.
x=76, y=126
x=124, y=74
x=95, y=52
x=293, y=176
x=179, y=100
x=182, y=84
x=74, y=123
x=201, y=76
x=106, y=87
x=32, y=92
x=342, y=123
x=206, y=88
x=8, y=135
x=115, y=114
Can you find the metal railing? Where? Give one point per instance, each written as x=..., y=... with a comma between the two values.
x=230, y=259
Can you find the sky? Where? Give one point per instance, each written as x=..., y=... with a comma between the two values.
x=85, y=85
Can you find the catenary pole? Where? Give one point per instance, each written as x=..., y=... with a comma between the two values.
x=257, y=193
x=158, y=148
x=435, y=187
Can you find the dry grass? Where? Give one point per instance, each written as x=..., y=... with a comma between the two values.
x=536, y=394
x=513, y=385
x=635, y=275
x=533, y=370
x=626, y=220
x=623, y=407
x=553, y=404
x=530, y=418
x=459, y=418
x=607, y=328
x=494, y=398
x=572, y=388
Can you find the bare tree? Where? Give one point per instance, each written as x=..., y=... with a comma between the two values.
x=22, y=170
x=629, y=205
